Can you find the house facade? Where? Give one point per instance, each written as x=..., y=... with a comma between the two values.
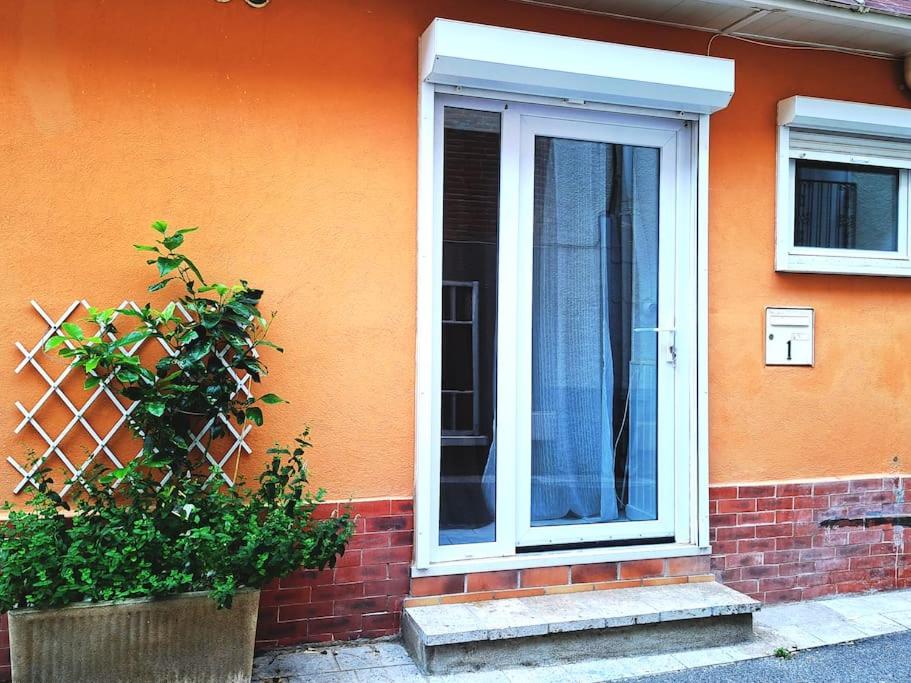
x=574, y=295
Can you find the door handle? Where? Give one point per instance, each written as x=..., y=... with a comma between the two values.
x=672, y=343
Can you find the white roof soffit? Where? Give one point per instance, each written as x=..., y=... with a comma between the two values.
x=845, y=117
x=820, y=23
x=508, y=60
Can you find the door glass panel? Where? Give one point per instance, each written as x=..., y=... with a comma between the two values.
x=594, y=344
x=471, y=198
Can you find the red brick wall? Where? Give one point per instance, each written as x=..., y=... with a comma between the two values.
x=5, y=673
x=565, y=579
x=776, y=542
x=804, y=540
x=360, y=598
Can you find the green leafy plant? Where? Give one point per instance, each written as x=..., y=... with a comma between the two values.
x=783, y=653
x=145, y=539
x=212, y=334
x=167, y=522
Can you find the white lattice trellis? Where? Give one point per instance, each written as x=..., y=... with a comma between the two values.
x=103, y=443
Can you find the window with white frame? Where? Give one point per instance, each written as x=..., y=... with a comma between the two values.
x=843, y=188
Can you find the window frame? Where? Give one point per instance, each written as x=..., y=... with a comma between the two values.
x=499, y=547
x=796, y=259
x=690, y=508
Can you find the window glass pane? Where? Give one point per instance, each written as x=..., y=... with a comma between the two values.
x=843, y=206
x=471, y=191
x=594, y=344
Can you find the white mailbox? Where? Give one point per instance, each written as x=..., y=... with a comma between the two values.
x=789, y=336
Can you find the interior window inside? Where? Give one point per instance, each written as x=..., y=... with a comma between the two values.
x=845, y=206
x=471, y=190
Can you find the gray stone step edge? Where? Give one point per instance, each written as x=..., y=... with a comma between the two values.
x=620, y=607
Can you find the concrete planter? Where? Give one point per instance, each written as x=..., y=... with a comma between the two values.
x=180, y=638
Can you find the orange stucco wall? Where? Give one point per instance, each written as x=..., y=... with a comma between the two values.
x=289, y=135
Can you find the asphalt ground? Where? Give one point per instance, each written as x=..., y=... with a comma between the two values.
x=873, y=660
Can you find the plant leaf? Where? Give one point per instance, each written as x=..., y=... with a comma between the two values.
x=191, y=335
x=54, y=342
x=266, y=342
x=272, y=399
x=161, y=284
x=192, y=266
x=127, y=375
x=173, y=241
x=166, y=265
x=73, y=330
x=255, y=415
x=132, y=338
x=91, y=382
x=155, y=408
x=160, y=226
x=145, y=247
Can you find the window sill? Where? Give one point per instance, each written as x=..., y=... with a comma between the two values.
x=827, y=265
x=559, y=558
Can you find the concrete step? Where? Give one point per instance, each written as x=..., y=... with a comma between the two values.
x=573, y=626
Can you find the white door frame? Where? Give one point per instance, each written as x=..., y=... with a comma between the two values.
x=691, y=489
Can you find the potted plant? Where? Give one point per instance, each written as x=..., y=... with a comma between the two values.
x=152, y=571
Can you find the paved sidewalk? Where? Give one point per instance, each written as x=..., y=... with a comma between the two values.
x=799, y=626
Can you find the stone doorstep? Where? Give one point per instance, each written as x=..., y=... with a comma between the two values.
x=562, y=613
x=466, y=636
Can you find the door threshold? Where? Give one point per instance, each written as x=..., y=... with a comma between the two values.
x=557, y=558
x=592, y=544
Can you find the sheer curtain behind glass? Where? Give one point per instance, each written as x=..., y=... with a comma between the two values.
x=641, y=193
x=593, y=365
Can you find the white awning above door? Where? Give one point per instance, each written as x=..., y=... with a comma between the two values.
x=511, y=61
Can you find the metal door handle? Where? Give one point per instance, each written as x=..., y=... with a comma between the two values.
x=671, y=347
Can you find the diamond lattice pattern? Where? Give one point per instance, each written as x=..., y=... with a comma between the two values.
x=99, y=443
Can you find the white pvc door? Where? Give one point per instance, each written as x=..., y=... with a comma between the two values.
x=595, y=419
x=562, y=383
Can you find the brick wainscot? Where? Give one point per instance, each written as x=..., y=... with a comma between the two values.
x=803, y=540
x=360, y=598
x=774, y=541
x=434, y=590
x=6, y=673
